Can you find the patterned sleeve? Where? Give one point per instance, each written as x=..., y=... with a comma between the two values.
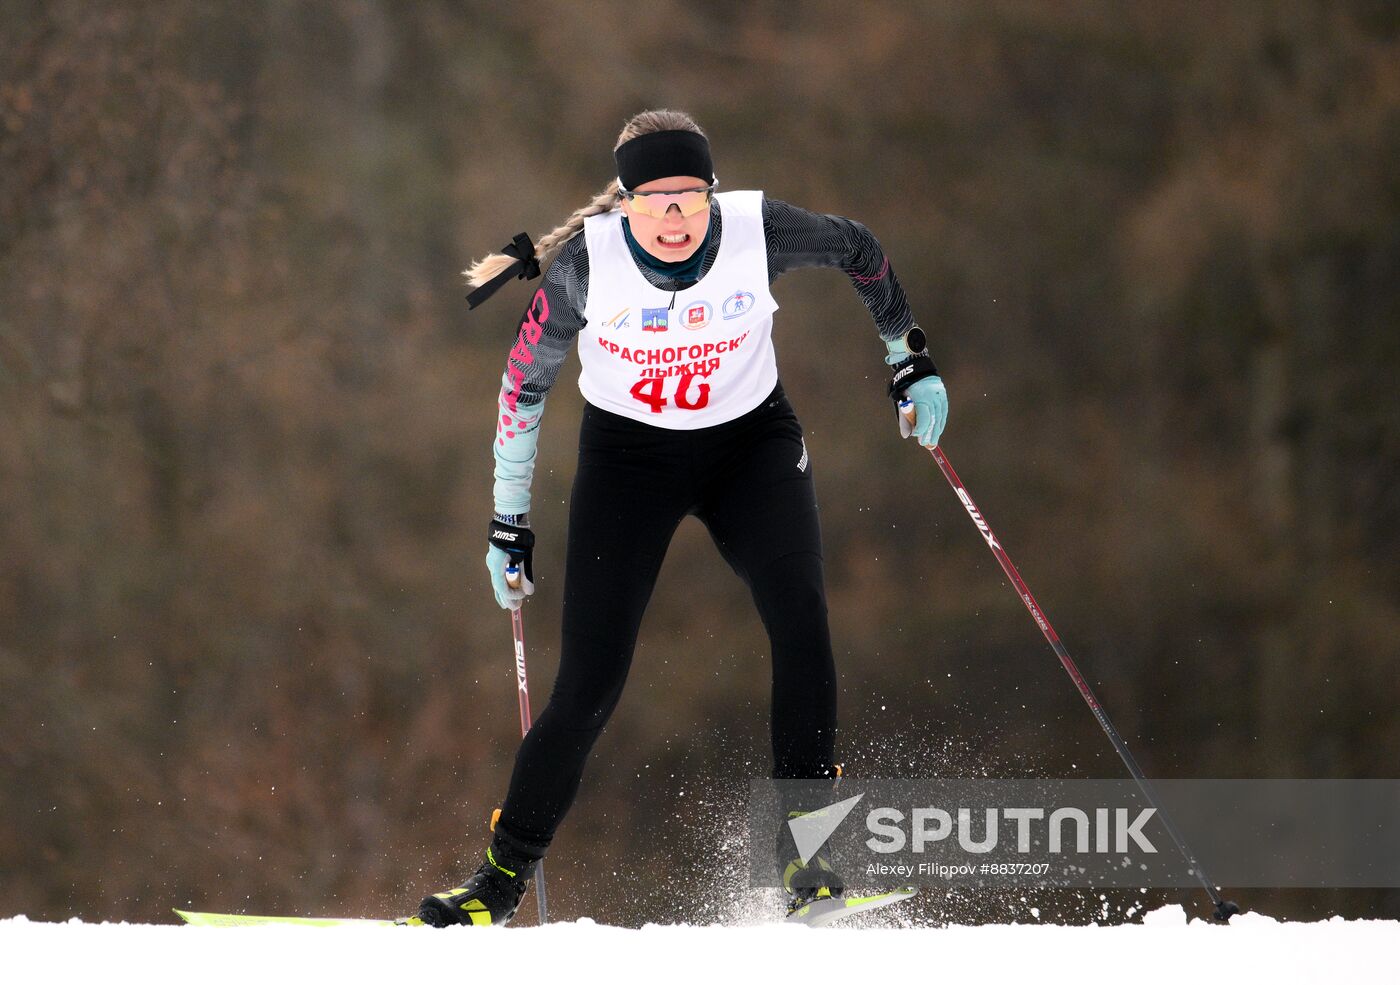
x=798, y=238
x=551, y=321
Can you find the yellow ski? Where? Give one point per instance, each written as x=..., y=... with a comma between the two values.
x=825, y=910
x=247, y=920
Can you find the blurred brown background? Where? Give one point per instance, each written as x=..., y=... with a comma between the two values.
x=249, y=658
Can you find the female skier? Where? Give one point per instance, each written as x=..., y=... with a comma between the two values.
x=667, y=292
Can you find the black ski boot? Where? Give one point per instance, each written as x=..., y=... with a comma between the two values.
x=815, y=880
x=489, y=898
x=805, y=881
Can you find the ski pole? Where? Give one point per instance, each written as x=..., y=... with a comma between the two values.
x=522, y=689
x=1224, y=909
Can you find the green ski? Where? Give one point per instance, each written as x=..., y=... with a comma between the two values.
x=817, y=913
x=821, y=912
x=247, y=920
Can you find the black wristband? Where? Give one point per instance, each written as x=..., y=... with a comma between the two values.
x=909, y=372
x=513, y=540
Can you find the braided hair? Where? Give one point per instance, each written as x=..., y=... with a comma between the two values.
x=649, y=121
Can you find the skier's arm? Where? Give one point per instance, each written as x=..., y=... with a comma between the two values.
x=551, y=320
x=798, y=238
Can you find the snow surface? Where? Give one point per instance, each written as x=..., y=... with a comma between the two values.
x=1163, y=948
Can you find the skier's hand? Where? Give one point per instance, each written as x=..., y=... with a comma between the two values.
x=921, y=401
x=924, y=411
x=511, y=546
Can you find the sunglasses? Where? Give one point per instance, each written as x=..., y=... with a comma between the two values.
x=657, y=204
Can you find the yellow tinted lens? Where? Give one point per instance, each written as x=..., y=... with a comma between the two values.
x=693, y=202
x=657, y=203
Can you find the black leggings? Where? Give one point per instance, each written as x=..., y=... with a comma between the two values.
x=750, y=482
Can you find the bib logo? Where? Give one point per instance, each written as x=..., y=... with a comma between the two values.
x=620, y=319
x=697, y=315
x=737, y=304
x=654, y=320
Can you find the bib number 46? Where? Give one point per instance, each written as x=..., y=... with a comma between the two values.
x=649, y=391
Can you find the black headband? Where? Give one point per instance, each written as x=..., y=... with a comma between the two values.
x=663, y=154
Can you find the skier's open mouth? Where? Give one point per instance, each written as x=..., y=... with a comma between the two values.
x=674, y=241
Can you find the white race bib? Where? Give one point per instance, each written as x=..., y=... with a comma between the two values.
x=694, y=359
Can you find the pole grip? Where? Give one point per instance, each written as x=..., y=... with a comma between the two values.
x=513, y=575
x=906, y=407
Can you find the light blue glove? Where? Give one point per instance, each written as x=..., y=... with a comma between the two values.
x=927, y=398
